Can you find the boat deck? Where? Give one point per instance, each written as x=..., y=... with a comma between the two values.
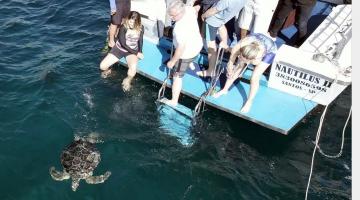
x=271, y=108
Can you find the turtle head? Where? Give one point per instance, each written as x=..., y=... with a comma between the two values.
x=93, y=138
x=75, y=184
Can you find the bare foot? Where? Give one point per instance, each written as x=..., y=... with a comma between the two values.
x=106, y=73
x=246, y=107
x=126, y=84
x=168, y=102
x=218, y=94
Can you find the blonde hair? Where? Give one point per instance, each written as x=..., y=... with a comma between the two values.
x=135, y=16
x=250, y=51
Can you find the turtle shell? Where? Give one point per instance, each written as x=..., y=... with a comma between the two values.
x=80, y=158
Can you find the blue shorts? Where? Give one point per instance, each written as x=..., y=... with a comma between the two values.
x=211, y=32
x=269, y=58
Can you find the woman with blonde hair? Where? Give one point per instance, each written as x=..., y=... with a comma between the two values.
x=128, y=45
x=257, y=50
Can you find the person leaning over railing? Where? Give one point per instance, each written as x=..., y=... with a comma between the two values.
x=256, y=49
x=128, y=45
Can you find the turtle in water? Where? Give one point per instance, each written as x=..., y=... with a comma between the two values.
x=79, y=160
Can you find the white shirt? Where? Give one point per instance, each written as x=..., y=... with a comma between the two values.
x=186, y=32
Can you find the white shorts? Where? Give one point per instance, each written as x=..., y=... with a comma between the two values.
x=257, y=14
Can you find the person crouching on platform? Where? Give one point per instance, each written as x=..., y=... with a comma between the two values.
x=187, y=41
x=128, y=45
x=256, y=49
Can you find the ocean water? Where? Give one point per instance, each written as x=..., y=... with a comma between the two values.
x=51, y=89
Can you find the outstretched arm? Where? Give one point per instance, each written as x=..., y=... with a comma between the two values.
x=212, y=11
x=254, y=85
x=234, y=54
x=140, y=41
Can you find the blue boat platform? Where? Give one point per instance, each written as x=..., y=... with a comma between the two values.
x=271, y=108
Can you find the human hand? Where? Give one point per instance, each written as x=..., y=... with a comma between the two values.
x=170, y=64
x=112, y=12
x=140, y=55
x=197, y=8
x=203, y=17
x=224, y=45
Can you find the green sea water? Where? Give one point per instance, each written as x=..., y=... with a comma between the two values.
x=51, y=89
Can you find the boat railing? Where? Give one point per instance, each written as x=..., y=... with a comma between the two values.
x=219, y=69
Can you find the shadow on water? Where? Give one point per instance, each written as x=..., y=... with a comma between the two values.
x=260, y=138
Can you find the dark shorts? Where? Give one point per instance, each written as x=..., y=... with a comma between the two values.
x=118, y=52
x=181, y=67
x=211, y=32
x=122, y=10
x=269, y=58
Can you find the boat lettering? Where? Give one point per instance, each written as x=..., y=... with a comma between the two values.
x=296, y=73
x=298, y=79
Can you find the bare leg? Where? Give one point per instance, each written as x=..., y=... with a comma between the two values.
x=112, y=32
x=223, y=37
x=211, y=59
x=229, y=81
x=132, y=61
x=228, y=84
x=98, y=179
x=243, y=33
x=175, y=90
x=254, y=86
x=105, y=64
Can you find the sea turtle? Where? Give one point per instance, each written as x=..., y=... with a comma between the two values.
x=79, y=160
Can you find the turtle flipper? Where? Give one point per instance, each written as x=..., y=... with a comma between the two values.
x=98, y=179
x=58, y=176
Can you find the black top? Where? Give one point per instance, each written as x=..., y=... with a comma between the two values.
x=122, y=40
